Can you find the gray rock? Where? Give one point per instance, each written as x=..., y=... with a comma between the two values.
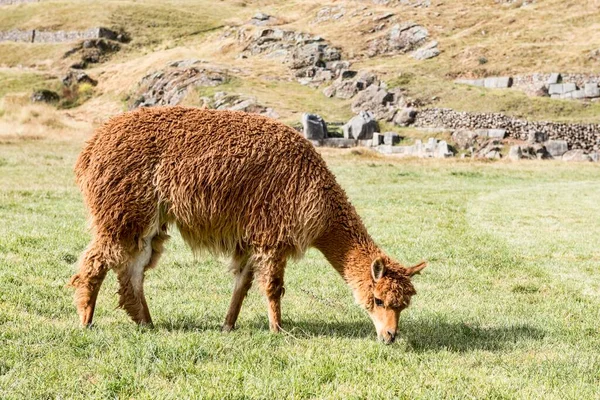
x=576, y=156
x=405, y=116
x=555, y=88
x=578, y=94
x=464, y=139
x=569, y=87
x=378, y=139
x=314, y=127
x=515, y=153
x=77, y=77
x=498, y=83
x=361, y=127
x=556, y=148
x=537, y=137
x=391, y=138
x=554, y=78
x=442, y=150
x=595, y=156
x=426, y=52
x=592, y=90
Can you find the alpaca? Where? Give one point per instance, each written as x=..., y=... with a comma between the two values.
x=233, y=183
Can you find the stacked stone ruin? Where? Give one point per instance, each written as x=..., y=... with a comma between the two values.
x=555, y=85
x=578, y=136
x=38, y=36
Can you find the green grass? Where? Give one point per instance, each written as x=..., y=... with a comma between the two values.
x=20, y=82
x=508, y=307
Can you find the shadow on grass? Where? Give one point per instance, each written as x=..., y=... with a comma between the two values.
x=430, y=335
x=421, y=335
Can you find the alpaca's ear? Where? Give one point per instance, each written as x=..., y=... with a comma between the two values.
x=377, y=269
x=416, y=269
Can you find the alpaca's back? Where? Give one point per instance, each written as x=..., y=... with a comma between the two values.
x=227, y=179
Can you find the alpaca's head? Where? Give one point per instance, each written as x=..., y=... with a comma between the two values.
x=388, y=293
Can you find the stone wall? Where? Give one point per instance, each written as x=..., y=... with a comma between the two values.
x=36, y=36
x=557, y=86
x=578, y=136
x=10, y=2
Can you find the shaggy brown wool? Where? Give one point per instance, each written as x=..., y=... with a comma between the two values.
x=233, y=183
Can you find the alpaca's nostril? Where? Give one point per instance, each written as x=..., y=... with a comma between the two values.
x=392, y=335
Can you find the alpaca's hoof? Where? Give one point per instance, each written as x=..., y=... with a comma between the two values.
x=227, y=328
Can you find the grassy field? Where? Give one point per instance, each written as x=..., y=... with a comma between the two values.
x=508, y=308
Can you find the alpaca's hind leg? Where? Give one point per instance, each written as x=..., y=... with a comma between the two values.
x=243, y=270
x=99, y=257
x=270, y=270
x=131, y=279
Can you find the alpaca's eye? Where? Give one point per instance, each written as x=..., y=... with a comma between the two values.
x=378, y=303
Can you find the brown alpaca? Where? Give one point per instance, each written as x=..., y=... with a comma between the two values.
x=237, y=184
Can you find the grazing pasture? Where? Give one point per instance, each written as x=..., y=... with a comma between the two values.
x=509, y=306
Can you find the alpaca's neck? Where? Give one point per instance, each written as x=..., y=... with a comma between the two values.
x=348, y=247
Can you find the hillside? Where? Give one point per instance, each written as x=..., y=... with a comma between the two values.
x=476, y=39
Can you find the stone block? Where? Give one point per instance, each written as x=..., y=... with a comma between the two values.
x=314, y=127
x=496, y=133
x=555, y=88
x=592, y=90
x=576, y=156
x=578, y=94
x=442, y=150
x=504, y=82
x=569, y=87
x=556, y=148
x=515, y=153
x=365, y=143
x=391, y=138
x=339, y=143
x=554, y=78
x=377, y=139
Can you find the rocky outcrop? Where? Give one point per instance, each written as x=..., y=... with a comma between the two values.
x=308, y=56
x=237, y=102
x=400, y=38
x=75, y=77
x=383, y=103
x=171, y=85
x=92, y=51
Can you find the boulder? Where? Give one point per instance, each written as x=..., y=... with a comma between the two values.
x=361, y=127
x=313, y=127
x=77, y=77
x=464, y=139
x=430, y=50
x=405, y=116
x=44, y=96
x=401, y=38
x=577, y=155
x=556, y=148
